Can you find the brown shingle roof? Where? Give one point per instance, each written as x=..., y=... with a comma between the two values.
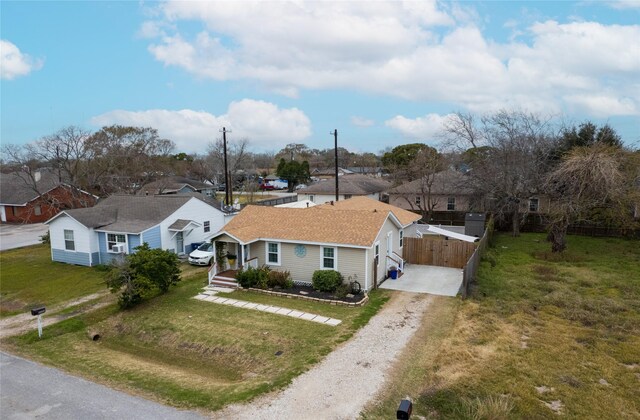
x=405, y=217
x=348, y=184
x=315, y=224
x=445, y=182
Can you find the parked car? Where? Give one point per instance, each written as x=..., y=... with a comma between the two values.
x=266, y=187
x=222, y=187
x=203, y=255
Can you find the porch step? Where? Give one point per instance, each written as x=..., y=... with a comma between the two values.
x=224, y=282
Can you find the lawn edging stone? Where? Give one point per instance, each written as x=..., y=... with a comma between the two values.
x=363, y=301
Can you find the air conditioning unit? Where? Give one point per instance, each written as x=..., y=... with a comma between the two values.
x=118, y=248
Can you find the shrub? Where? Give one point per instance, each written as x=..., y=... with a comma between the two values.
x=280, y=279
x=343, y=290
x=326, y=280
x=46, y=238
x=253, y=277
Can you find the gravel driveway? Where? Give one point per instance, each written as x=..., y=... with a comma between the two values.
x=342, y=384
x=17, y=236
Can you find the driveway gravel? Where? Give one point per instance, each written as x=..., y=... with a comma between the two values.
x=17, y=236
x=342, y=384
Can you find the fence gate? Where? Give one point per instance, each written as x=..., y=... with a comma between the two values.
x=439, y=252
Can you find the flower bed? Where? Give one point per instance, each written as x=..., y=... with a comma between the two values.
x=308, y=293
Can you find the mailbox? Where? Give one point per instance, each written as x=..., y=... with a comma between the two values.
x=38, y=311
x=404, y=410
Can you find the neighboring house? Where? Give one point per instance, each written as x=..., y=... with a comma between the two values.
x=177, y=185
x=361, y=238
x=329, y=173
x=443, y=191
x=120, y=223
x=367, y=170
x=450, y=190
x=349, y=186
x=36, y=197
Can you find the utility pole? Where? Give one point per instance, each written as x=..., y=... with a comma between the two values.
x=227, y=189
x=335, y=150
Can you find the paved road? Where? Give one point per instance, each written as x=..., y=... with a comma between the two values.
x=17, y=236
x=30, y=390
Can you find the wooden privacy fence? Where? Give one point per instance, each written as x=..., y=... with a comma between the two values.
x=471, y=268
x=443, y=253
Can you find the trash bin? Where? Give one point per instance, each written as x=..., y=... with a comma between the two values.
x=393, y=273
x=404, y=410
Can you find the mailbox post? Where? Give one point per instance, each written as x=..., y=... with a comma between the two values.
x=39, y=311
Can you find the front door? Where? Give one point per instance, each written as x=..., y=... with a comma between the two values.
x=179, y=243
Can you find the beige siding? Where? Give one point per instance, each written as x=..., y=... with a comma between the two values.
x=407, y=202
x=351, y=261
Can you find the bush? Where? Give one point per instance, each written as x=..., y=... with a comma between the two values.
x=326, y=280
x=343, y=290
x=280, y=279
x=254, y=277
x=46, y=238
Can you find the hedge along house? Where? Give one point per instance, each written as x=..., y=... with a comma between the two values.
x=120, y=223
x=360, y=237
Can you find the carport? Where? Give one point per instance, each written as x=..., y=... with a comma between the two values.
x=431, y=279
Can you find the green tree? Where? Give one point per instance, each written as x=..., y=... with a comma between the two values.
x=141, y=274
x=406, y=161
x=294, y=172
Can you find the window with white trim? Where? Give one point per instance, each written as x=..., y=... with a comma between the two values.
x=114, y=239
x=312, y=198
x=37, y=210
x=207, y=226
x=534, y=205
x=376, y=251
x=401, y=238
x=329, y=257
x=451, y=203
x=69, y=242
x=418, y=200
x=273, y=253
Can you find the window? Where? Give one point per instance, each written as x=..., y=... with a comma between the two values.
x=451, y=203
x=418, y=201
x=273, y=253
x=114, y=239
x=347, y=196
x=207, y=226
x=37, y=210
x=329, y=256
x=401, y=237
x=376, y=251
x=69, y=243
x=312, y=198
x=534, y=204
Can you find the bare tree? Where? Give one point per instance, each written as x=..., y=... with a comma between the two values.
x=588, y=178
x=238, y=158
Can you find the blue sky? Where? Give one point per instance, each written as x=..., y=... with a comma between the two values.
x=381, y=73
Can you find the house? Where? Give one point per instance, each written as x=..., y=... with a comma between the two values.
x=329, y=172
x=354, y=185
x=118, y=224
x=35, y=197
x=448, y=190
x=177, y=185
x=361, y=238
x=451, y=191
x=367, y=170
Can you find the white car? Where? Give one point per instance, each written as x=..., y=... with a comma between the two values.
x=203, y=255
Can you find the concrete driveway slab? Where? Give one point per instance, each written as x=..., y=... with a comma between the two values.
x=430, y=279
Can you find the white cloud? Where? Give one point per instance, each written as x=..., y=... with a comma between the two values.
x=264, y=124
x=361, y=121
x=398, y=49
x=422, y=128
x=14, y=63
x=624, y=4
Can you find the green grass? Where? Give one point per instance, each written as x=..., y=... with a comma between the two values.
x=535, y=319
x=194, y=354
x=28, y=277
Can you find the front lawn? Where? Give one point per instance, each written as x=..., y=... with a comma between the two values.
x=195, y=354
x=28, y=277
x=542, y=335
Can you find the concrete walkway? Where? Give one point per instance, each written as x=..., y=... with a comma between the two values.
x=430, y=279
x=209, y=295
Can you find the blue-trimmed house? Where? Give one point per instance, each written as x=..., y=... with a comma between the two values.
x=118, y=224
